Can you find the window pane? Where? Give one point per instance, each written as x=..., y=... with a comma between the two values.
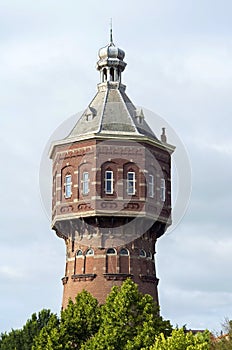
x=124, y=251
x=162, y=190
x=68, y=186
x=131, y=183
x=109, y=182
x=90, y=252
x=85, y=183
x=108, y=175
x=111, y=251
x=151, y=186
x=142, y=253
x=68, y=179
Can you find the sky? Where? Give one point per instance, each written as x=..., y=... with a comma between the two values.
x=179, y=66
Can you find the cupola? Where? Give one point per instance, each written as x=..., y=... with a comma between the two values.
x=110, y=63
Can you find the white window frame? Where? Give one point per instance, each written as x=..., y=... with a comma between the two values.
x=142, y=253
x=89, y=252
x=151, y=185
x=85, y=183
x=131, y=183
x=124, y=252
x=111, y=251
x=109, y=181
x=162, y=190
x=68, y=186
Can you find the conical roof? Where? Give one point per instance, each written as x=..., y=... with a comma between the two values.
x=111, y=112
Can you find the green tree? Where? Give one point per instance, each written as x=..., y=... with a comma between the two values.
x=129, y=320
x=22, y=339
x=78, y=322
x=49, y=336
x=180, y=340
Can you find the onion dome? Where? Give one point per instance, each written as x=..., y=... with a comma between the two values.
x=111, y=51
x=110, y=63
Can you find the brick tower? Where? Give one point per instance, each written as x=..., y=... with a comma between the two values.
x=111, y=190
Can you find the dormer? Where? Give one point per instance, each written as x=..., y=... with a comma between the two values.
x=139, y=116
x=90, y=113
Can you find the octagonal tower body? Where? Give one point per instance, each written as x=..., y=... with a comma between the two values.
x=111, y=190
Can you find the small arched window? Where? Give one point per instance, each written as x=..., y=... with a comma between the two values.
x=104, y=75
x=68, y=186
x=131, y=183
x=109, y=182
x=124, y=252
x=79, y=253
x=112, y=74
x=111, y=251
x=142, y=253
x=151, y=185
x=89, y=252
x=162, y=190
x=85, y=182
x=149, y=255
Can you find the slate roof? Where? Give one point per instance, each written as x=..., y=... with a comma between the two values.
x=111, y=112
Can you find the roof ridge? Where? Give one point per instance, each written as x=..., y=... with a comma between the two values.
x=124, y=103
x=103, y=110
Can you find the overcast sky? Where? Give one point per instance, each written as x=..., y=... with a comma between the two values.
x=179, y=56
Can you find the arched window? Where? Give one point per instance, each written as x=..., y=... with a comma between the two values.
x=111, y=260
x=162, y=190
x=142, y=253
x=149, y=255
x=68, y=186
x=131, y=183
x=79, y=253
x=85, y=182
x=124, y=252
x=124, y=261
x=112, y=74
x=151, y=185
x=89, y=252
x=109, y=182
x=104, y=75
x=111, y=251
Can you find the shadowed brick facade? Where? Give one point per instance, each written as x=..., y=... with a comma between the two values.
x=111, y=190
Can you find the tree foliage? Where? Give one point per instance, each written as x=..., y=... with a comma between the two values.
x=129, y=320
x=180, y=340
x=78, y=322
x=22, y=339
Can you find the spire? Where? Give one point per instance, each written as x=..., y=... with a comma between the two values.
x=111, y=33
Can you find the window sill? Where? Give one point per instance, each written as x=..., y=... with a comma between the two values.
x=83, y=277
x=64, y=280
x=116, y=276
x=149, y=279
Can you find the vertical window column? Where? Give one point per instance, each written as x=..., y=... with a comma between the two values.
x=131, y=183
x=162, y=190
x=151, y=185
x=85, y=183
x=109, y=182
x=68, y=186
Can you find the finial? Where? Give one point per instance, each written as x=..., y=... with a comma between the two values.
x=163, y=136
x=111, y=32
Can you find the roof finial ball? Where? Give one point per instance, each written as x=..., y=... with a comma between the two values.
x=111, y=63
